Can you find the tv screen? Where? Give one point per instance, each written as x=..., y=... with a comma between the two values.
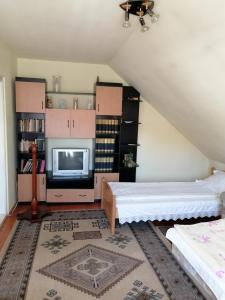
x=70, y=160
x=67, y=162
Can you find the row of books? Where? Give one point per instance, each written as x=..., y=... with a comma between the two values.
x=105, y=145
x=104, y=164
x=26, y=166
x=25, y=145
x=107, y=126
x=31, y=125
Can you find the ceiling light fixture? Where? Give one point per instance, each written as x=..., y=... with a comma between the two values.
x=139, y=9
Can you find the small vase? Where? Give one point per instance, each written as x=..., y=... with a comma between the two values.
x=56, y=82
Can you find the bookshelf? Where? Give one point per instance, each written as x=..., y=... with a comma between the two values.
x=110, y=119
x=128, y=142
x=30, y=129
x=107, y=144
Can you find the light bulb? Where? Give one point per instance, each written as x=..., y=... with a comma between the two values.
x=155, y=18
x=126, y=23
x=144, y=27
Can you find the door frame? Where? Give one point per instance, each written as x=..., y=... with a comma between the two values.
x=4, y=205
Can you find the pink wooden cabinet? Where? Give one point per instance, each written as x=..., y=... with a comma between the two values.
x=66, y=123
x=98, y=180
x=25, y=187
x=82, y=123
x=109, y=100
x=70, y=195
x=57, y=123
x=30, y=96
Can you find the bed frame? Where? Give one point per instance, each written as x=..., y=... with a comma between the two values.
x=109, y=204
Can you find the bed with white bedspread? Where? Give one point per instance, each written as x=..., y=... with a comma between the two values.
x=136, y=201
x=203, y=246
x=163, y=201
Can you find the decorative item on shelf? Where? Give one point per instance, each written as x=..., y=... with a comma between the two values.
x=139, y=9
x=75, y=103
x=49, y=102
x=62, y=104
x=56, y=83
x=129, y=161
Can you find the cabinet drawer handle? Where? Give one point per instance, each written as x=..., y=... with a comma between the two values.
x=58, y=195
x=43, y=180
x=68, y=124
x=73, y=123
x=82, y=195
x=42, y=105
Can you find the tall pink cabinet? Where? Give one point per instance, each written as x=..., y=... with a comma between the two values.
x=30, y=112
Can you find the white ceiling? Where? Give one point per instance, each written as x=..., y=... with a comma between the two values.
x=178, y=65
x=70, y=30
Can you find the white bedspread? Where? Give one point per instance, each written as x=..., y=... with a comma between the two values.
x=203, y=245
x=163, y=201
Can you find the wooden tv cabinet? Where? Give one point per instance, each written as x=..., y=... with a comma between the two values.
x=70, y=189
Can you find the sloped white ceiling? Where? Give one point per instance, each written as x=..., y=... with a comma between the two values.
x=70, y=30
x=178, y=65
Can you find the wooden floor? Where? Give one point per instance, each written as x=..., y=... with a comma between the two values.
x=9, y=221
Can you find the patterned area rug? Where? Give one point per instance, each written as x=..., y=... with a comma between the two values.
x=72, y=255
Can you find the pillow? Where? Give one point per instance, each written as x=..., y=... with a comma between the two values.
x=215, y=182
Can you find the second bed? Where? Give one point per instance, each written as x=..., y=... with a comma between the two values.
x=158, y=201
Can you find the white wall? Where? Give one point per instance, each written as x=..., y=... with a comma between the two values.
x=164, y=153
x=75, y=76
x=8, y=71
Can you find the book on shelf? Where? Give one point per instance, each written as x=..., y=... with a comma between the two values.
x=105, y=145
x=105, y=126
x=26, y=166
x=25, y=145
x=104, y=164
x=31, y=125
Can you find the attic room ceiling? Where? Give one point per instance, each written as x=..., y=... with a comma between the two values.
x=178, y=65
x=69, y=30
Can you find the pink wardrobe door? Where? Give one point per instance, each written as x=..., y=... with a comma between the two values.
x=25, y=187
x=30, y=97
x=82, y=124
x=57, y=123
x=108, y=100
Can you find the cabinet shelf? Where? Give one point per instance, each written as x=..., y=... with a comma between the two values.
x=27, y=155
x=126, y=168
x=133, y=100
x=130, y=145
x=130, y=122
x=31, y=133
x=70, y=93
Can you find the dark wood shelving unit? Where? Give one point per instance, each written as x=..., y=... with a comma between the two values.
x=129, y=134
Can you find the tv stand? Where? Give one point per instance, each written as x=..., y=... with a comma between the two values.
x=70, y=182
x=70, y=189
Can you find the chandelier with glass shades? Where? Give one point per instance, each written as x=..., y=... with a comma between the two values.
x=139, y=9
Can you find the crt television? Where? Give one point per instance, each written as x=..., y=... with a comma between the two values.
x=70, y=162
